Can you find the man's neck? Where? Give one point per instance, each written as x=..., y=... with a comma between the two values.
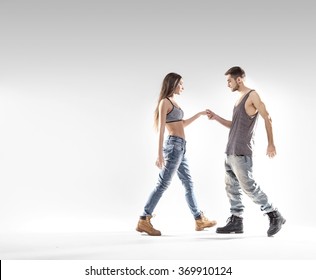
x=243, y=90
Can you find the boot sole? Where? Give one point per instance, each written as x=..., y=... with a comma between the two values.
x=141, y=231
x=237, y=232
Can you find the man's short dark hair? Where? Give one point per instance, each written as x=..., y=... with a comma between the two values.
x=236, y=72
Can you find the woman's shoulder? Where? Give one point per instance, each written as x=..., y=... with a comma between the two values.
x=166, y=101
x=165, y=104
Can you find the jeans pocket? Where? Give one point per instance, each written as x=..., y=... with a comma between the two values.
x=172, y=152
x=178, y=147
x=168, y=149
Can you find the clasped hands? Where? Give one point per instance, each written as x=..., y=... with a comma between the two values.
x=210, y=114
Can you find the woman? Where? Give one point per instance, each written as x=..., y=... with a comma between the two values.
x=171, y=157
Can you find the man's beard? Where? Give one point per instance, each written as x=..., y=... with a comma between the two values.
x=235, y=88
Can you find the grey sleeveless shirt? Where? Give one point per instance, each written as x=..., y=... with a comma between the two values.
x=241, y=134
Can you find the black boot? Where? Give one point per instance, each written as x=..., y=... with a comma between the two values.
x=234, y=225
x=276, y=222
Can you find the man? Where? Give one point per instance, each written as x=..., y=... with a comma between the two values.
x=238, y=163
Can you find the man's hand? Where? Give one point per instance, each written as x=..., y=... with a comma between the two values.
x=271, y=151
x=210, y=114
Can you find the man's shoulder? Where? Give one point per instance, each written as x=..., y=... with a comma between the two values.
x=254, y=94
x=253, y=91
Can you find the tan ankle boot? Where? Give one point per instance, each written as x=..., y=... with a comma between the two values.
x=203, y=223
x=146, y=226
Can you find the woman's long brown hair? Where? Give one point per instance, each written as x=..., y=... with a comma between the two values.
x=169, y=84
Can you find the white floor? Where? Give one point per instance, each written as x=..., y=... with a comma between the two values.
x=292, y=243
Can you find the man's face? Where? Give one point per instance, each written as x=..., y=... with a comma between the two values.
x=232, y=83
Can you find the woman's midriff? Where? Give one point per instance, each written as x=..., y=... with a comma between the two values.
x=176, y=129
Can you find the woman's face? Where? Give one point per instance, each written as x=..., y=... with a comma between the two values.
x=179, y=87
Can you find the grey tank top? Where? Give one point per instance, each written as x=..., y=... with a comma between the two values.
x=175, y=115
x=241, y=134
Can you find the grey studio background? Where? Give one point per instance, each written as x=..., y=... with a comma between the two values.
x=79, y=81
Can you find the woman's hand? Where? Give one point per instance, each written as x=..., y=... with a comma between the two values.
x=203, y=113
x=160, y=162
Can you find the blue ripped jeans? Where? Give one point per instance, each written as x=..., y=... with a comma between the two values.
x=239, y=179
x=175, y=161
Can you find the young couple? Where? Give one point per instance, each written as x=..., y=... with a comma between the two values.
x=238, y=163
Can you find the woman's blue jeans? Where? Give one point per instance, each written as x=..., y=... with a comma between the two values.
x=175, y=161
x=239, y=179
